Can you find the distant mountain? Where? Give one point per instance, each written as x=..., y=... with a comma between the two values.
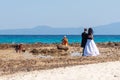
x=110, y=29
x=42, y=30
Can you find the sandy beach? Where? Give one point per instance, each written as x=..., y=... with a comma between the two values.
x=59, y=39
x=101, y=71
x=46, y=62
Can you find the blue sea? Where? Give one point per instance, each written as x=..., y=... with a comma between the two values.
x=54, y=38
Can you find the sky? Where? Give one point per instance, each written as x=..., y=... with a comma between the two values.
x=15, y=14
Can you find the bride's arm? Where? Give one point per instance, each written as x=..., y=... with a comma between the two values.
x=90, y=36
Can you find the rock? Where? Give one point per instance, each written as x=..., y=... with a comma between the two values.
x=34, y=51
x=117, y=44
x=62, y=47
x=111, y=44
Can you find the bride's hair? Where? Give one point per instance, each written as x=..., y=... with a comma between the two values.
x=90, y=31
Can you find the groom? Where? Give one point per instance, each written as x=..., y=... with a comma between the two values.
x=84, y=39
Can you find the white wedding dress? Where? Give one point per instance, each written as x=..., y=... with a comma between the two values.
x=91, y=48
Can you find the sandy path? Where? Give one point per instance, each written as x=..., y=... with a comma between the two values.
x=101, y=71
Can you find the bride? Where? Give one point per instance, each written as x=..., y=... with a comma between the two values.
x=90, y=47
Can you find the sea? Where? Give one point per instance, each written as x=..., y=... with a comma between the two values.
x=31, y=39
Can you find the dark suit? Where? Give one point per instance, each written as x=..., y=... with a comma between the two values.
x=84, y=40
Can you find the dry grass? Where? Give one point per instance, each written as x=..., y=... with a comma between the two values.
x=11, y=62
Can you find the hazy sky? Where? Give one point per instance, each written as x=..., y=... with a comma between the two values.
x=58, y=13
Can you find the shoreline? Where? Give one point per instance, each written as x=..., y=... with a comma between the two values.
x=107, y=43
x=59, y=42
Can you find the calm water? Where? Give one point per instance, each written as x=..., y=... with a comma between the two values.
x=54, y=38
